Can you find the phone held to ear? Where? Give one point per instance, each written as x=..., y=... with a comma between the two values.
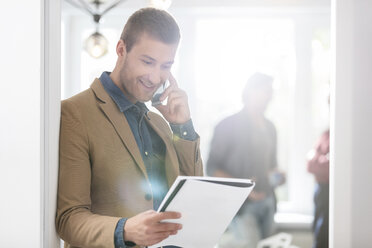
x=156, y=97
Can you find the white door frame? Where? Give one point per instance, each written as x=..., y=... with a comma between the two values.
x=50, y=117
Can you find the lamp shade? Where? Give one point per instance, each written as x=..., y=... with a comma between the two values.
x=160, y=4
x=96, y=45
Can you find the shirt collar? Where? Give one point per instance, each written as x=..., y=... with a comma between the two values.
x=118, y=96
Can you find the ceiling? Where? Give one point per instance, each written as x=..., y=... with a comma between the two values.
x=136, y=4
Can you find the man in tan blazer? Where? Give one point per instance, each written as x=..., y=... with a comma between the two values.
x=117, y=159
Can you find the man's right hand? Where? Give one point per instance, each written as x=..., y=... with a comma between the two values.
x=146, y=228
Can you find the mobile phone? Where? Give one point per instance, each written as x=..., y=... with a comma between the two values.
x=156, y=97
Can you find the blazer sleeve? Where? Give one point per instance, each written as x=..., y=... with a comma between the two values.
x=75, y=222
x=189, y=158
x=187, y=152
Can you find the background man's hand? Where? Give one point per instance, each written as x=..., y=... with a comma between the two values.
x=277, y=178
x=176, y=111
x=256, y=196
x=146, y=228
x=221, y=173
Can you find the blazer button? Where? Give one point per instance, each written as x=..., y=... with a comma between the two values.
x=148, y=197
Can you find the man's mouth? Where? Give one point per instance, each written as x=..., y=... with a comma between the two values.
x=147, y=85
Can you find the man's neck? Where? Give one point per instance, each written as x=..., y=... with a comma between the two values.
x=115, y=77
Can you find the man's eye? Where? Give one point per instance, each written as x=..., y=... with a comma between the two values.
x=167, y=67
x=147, y=62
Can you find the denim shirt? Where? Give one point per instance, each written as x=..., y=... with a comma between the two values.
x=151, y=146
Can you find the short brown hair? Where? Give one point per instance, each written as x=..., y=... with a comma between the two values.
x=157, y=23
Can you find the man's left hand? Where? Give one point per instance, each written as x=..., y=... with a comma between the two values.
x=176, y=111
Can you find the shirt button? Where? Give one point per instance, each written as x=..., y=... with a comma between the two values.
x=184, y=133
x=148, y=197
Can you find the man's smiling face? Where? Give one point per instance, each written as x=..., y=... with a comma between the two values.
x=145, y=67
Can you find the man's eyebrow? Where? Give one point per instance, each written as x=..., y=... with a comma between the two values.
x=148, y=57
x=152, y=59
x=169, y=63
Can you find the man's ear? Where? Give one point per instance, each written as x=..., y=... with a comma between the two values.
x=121, y=50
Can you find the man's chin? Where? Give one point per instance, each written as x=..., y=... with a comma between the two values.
x=145, y=99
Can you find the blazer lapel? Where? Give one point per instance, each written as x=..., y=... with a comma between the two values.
x=119, y=122
x=171, y=161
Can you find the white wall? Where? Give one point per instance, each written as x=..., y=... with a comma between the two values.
x=351, y=156
x=22, y=128
x=20, y=64
x=30, y=86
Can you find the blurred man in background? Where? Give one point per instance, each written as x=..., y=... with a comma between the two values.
x=244, y=146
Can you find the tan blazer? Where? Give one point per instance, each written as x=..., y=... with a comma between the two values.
x=102, y=176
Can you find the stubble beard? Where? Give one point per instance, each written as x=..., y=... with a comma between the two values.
x=124, y=81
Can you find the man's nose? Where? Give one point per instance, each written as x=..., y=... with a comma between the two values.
x=157, y=76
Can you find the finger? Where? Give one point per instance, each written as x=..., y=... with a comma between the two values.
x=167, y=227
x=172, y=86
x=166, y=215
x=163, y=109
x=175, y=104
x=176, y=97
x=166, y=92
x=177, y=93
x=151, y=211
x=160, y=238
x=155, y=241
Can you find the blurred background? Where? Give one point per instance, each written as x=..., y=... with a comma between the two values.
x=223, y=43
x=286, y=38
